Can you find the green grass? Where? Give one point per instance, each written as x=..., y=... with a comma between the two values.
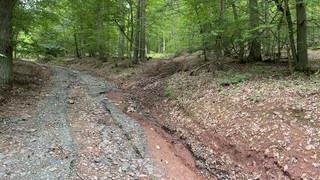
x=233, y=80
x=159, y=55
x=171, y=92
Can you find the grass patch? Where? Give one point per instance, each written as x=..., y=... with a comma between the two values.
x=259, y=69
x=171, y=92
x=99, y=65
x=159, y=55
x=128, y=75
x=233, y=80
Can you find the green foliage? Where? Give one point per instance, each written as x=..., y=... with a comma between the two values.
x=59, y=28
x=171, y=92
x=233, y=80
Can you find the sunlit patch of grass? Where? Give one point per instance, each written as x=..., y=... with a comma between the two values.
x=128, y=74
x=155, y=55
x=233, y=80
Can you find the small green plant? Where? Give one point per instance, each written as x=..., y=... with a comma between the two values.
x=298, y=74
x=60, y=61
x=171, y=92
x=259, y=69
x=239, y=78
x=254, y=98
x=98, y=65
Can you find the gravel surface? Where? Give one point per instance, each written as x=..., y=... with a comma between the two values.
x=76, y=134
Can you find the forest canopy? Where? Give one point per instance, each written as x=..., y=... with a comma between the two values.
x=249, y=30
x=108, y=28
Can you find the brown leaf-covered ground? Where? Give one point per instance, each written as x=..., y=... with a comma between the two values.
x=254, y=121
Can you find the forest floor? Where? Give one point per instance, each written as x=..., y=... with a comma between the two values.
x=252, y=121
x=164, y=119
x=57, y=123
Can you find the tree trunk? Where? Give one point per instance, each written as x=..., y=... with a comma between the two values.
x=143, y=31
x=255, y=44
x=267, y=38
x=132, y=27
x=302, y=46
x=137, y=37
x=123, y=27
x=77, y=53
x=238, y=32
x=99, y=22
x=164, y=48
x=279, y=39
x=6, y=44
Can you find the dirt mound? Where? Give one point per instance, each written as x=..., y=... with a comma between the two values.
x=28, y=77
x=28, y=72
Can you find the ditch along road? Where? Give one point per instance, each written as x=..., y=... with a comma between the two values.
x=76, y=132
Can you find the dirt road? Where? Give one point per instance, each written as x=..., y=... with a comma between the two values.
x=76, y=133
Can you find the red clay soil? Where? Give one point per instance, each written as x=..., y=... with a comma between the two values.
x=168, y=153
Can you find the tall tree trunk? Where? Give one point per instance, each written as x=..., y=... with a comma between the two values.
x=302, y=46
x=279, y=39
x=286, y=12
x=137, y=37
x=77, y=53
x=255, y=44
x=239, y=33
x=99, y=29
x=132, y=28
x=143, y=31
x=122, y=24
x=220, y=39
x=6, y=44
x=164, y=46
x=267, y=38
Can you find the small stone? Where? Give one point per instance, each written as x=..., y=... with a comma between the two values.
x=30, y=130
x=309, y=147
x=285, y=168
x=70, y=101
x=158, y=147
x=52, y=169
x=167, y=162
x=125, y=166
x=316, y=165
x=25, y=117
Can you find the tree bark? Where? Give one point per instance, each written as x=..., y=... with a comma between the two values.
x=137, y=37
x=267, y=43
x=77, y=53
x=302, y=46
x=122, y=24
x=286, y=12
x=238, y=32
x=132, y=27
x=6, y=44
x=255, y=44
x=143, y=31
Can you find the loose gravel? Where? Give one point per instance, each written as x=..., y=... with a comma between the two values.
x=75, y=136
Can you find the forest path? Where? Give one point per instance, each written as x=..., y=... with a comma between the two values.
x=76, y=134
